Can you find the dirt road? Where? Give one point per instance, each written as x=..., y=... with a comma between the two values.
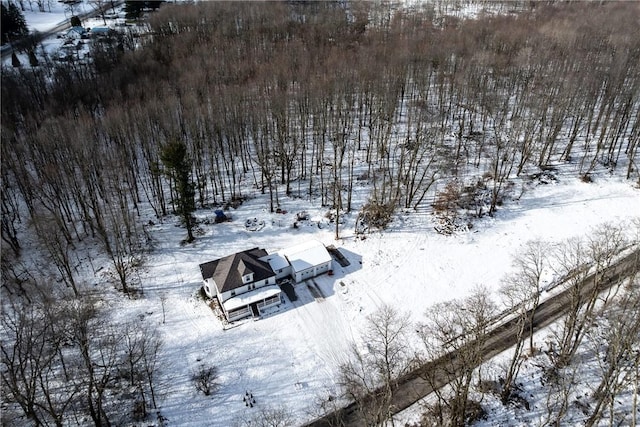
x=413, y=387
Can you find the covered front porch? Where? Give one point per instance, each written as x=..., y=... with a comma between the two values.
x=251, y=303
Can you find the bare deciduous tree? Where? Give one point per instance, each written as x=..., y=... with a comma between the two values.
x=456, y=330
x=30, y=351
x=205, y=379
x=582, y=263
x=615, y=339
x=268, y=417
x=521, y=290
x=370, y=376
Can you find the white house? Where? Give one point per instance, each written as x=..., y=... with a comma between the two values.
x=307, y=260
x=75, y=33
x=243, y=283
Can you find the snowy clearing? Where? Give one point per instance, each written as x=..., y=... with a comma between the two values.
x=291, y=357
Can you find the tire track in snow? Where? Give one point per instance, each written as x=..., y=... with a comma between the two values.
x=325, y=329
x=388, y=273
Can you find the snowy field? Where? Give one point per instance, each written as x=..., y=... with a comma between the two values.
x=290, y=357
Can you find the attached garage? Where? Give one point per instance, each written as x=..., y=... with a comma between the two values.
x=307, y=260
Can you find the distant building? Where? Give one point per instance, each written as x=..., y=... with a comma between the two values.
x=75, y=33
x=100, y=31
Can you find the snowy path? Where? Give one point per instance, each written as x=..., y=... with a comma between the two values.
x=321, y=326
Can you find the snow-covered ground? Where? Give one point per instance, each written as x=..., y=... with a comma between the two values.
x=290, y=358
x=56, y=13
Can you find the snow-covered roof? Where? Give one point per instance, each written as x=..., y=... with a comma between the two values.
x=305, y=255
x=75, y=32
x=100, y=30
x=227, y=272
x=277, y=261
x=76, y=29
x=250, y=297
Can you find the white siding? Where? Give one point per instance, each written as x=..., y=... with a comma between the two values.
x=239, y=313
x=237, y=291
x=284, y=272
x=312, y=272
x=268, y=281
x=322, y=268
x=248, y=287
x=210, y=288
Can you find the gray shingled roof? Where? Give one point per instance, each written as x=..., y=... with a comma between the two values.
x=227, y=272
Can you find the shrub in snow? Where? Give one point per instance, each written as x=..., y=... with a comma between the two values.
x=205, y=379
x=374, y=215
x=267, y=417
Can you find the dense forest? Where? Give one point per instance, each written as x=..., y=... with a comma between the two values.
x=302, y=99
x=294, y=94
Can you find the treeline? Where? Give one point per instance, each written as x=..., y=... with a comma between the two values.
x=66, y=362
x=312, y=98
x=272, y=93
x=302, y=95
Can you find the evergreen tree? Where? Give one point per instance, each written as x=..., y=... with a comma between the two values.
x=33, y=59
x=153, y=5
x=75, y=21
x=13, y=24
x=14, y=60
x=133, y=9
x=175, y=159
